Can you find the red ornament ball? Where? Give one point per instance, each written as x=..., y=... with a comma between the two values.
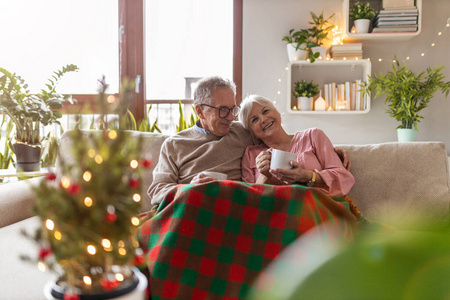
x=134, y=183
x=147, y=163
x=44, y=252
x=74, y=189
x=111, y=217
x=71, y=296
x=50, y=176
x=108, y=284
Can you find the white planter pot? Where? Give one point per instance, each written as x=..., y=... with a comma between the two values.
x=362, y=25
x=322, y=50
x=406, y=135
x=304, y=103
x=137, y=293
x=296, y=54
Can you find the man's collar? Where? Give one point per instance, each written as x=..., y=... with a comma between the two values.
x=198, y=127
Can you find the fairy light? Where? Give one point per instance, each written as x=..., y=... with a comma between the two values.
x=91, y=153
x=41, y=266
x=112, y=134
x=423, y=54
x=87, y=176
x=98, y=159
x=134, y=164
x=91, y=249
x=136, y=197
x=111, y=99
x=119, y=277
x=135, y=221
x=433, y=44
x=121, y=244
x=106, y=243
x=65, y=182
x=88, y=201
x=407, y=58
x=87, y=280
x=122, y=251
x=380, y=59
x=57, y=235
x=49, y=224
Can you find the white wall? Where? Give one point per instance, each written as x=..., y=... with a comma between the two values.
x=265, y=59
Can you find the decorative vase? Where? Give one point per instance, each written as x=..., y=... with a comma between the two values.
x=28, y=157
x=362, y=25
x=133, y=290
x=304, y=103
x=322, y=50
x=296, y=54
x=406, y=135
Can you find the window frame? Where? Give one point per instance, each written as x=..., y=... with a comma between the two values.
x=132, y=58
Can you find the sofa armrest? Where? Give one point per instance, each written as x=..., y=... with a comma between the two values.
x=16, y=200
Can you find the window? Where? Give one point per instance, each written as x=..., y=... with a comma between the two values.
x=186, y=40
x=41, y=36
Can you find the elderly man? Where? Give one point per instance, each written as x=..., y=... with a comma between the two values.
x=215, y=143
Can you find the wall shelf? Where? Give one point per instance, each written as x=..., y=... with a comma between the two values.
x=327, y=71
x=391, y=36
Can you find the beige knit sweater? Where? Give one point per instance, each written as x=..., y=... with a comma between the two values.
x=190, y=152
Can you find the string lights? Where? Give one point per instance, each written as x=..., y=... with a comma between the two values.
x=337, y=38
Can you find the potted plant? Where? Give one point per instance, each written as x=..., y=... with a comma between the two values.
x=407, y=93
x=319, y=32
x=304, y=91
x=28, y=111
x=299, y=44
x=362, y=14
x=89, y=221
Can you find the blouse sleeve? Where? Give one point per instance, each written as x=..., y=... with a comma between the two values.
x=337, y=179
x=248, y=174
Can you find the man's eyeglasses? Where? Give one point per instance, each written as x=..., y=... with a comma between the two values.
x=225, y=111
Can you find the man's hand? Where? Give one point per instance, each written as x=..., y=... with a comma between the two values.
x=343, y=155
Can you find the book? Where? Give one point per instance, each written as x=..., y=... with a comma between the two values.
x=396, y=23
x=356, y=46
x=347, y=52
x=396, y=11
x=395, y=29
x=396, y=17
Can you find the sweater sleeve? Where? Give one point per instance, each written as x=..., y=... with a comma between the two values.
x=165, y=175
x=338, y=180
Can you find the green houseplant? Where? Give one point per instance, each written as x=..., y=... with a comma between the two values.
x=299, y=44
x=407, y=93
x=304, y=91
x=29, y=110
x=319, y=32
x=362, y=14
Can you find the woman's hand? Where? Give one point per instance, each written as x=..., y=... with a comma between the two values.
x=201, y=178
x=263, y=163
x=294, y=175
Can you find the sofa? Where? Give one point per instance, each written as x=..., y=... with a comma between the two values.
x=405, y=185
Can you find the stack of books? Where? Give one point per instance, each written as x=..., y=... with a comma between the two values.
x=347, y=51
x=396, y=20
x=344, y=96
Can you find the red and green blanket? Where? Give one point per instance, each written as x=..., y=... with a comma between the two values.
x=211, y=241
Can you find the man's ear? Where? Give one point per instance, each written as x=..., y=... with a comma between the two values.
x=199, y=111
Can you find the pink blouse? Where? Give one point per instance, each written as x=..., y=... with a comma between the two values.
x=315, y=152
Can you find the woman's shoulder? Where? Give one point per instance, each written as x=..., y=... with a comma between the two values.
x=309, y=133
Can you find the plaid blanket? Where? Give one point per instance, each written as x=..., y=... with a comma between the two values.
x=211, y=241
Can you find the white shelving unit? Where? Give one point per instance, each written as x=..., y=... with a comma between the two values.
x=377, y=5
x=327, y=71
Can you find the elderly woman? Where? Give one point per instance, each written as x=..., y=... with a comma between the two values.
x=317, y=162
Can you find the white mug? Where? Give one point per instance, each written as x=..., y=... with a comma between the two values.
x=280, y=159
x=215, y=175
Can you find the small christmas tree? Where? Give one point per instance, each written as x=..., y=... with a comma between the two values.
x=89, y=213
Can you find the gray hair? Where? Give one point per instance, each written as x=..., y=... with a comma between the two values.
x=247, y=105
x=206, y=87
